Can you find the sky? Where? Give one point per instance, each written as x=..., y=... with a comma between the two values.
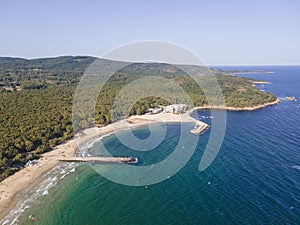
x=228, y=32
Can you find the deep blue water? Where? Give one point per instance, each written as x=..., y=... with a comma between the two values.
x=255, y=178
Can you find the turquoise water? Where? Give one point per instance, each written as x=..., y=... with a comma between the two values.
x=255, y=178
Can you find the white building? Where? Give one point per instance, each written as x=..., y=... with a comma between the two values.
x=176, y=108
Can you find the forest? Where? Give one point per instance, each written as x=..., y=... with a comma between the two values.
x=36, y=98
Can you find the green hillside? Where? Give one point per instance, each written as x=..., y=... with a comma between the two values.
x=36, y=99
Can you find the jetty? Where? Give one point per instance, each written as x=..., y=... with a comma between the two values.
x=199, y=128
x=101, y=159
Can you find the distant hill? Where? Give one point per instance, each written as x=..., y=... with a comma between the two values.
x=69, y=63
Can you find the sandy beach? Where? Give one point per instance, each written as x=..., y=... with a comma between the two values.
x=27, y=178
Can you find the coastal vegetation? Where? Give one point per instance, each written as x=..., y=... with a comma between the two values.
x=36, y=98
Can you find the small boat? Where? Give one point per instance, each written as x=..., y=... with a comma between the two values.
x=290, y=98
x=33, y=218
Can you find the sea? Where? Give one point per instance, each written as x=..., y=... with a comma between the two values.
x=254, y=178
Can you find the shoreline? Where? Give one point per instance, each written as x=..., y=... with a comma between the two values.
x=30, y=177
x=260, y=82
x=206, y=107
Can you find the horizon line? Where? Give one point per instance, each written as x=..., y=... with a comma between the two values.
x=283, y=64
